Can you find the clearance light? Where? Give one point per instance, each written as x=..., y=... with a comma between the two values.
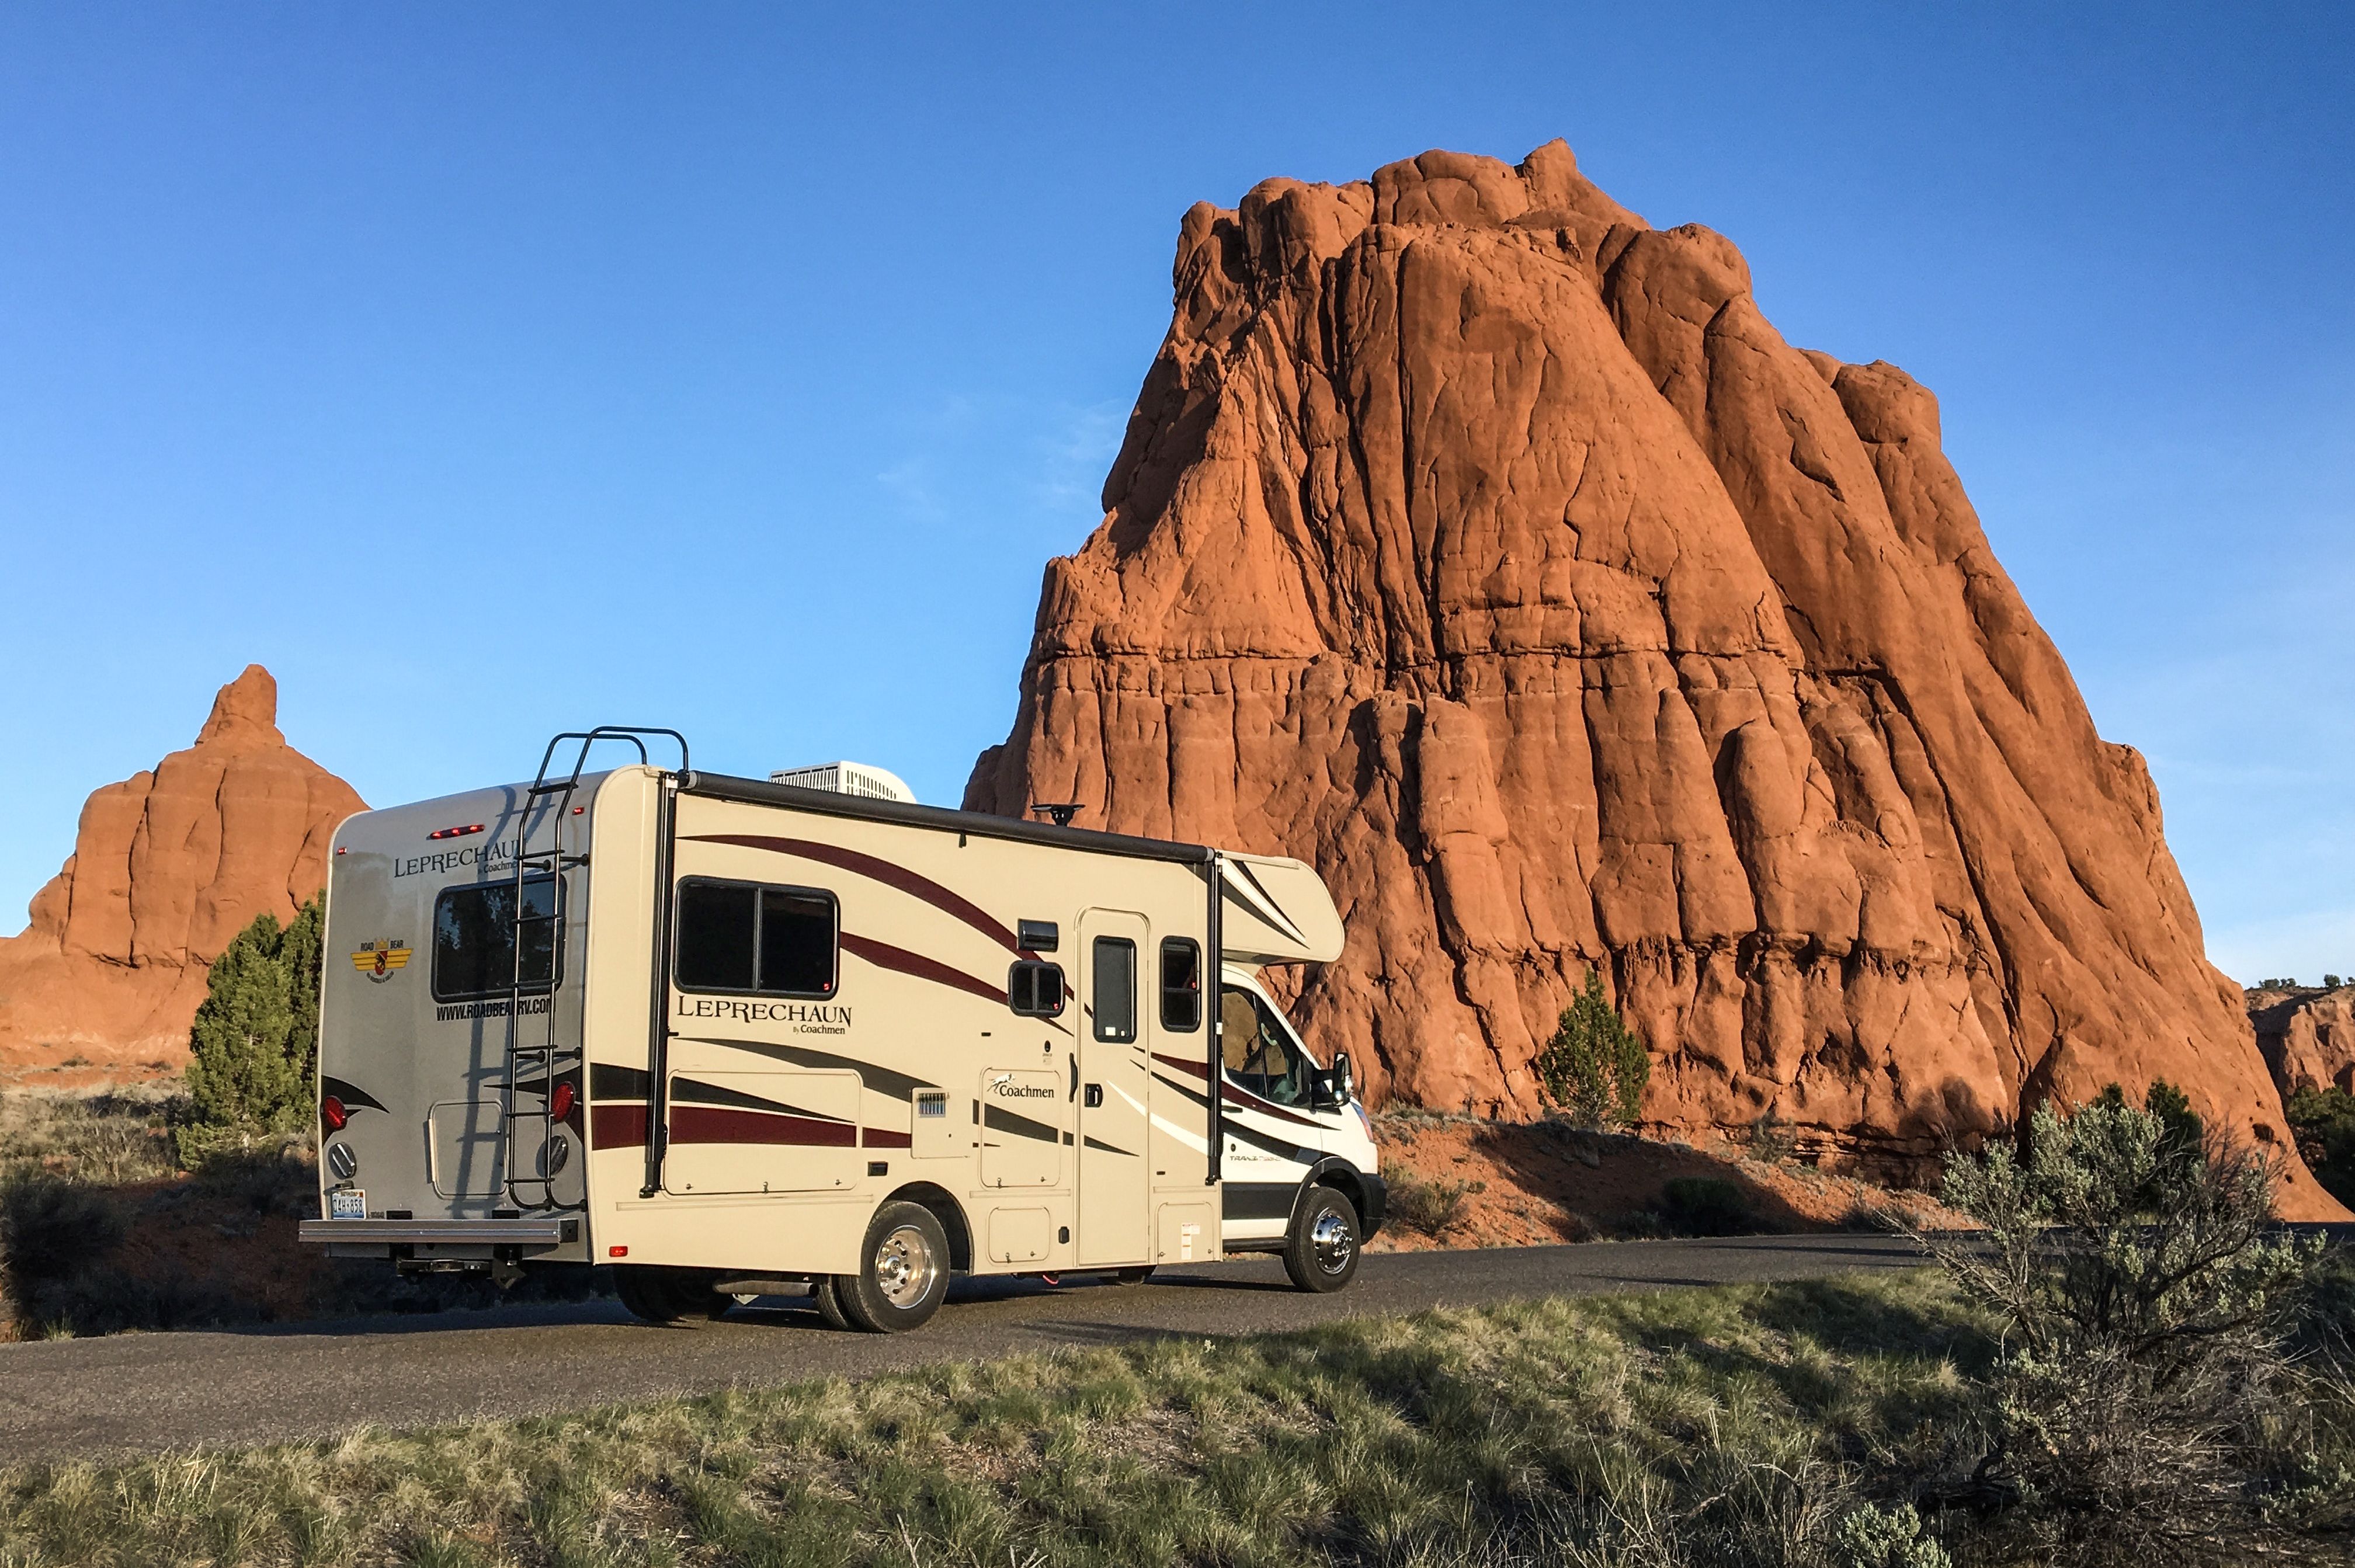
x=559, y=1105
x=456, y=832
x=617, y=1252
x=332, y=1112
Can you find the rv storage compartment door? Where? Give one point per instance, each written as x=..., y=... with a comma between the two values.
x=462, y=1136
x=762, y=1132
x=1021, y=1127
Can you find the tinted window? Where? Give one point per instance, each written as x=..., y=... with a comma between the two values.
x=475, y=939
x=1259, y=1055
x=1181, y=984
x=717, y=924
x=1035, y=989
x=796, y=941
x=742, y=936
x=1115, y=987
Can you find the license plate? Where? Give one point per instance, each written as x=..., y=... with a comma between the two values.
x=349, y=1204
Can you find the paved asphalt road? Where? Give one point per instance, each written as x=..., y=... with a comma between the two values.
x=134, y=1392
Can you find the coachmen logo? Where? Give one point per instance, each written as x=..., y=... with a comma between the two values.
x=379, y=960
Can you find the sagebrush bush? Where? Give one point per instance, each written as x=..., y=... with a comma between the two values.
x=1594, y=1067
x=1705, y=1206
x=255, y=1039
x=1430, y=1207
x=2143, y=1307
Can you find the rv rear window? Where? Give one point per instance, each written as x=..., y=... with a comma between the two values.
x=1035, y=989
x=474, y=931
x=750, y=937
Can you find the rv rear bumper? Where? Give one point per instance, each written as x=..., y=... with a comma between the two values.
x=548, y=1232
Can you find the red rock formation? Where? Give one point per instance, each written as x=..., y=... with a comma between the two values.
x=167, y=868
x=1487, y=547
x=2307, y=1036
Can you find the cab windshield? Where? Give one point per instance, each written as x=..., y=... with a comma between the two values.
x=1259, y=1055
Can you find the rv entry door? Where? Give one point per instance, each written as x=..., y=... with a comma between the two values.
x=1114, y=1072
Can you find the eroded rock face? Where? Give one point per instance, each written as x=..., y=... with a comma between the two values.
x=1489, y=549
x=2307, y=1034
x=167, y=868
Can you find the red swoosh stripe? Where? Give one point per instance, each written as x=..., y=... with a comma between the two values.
x=891, y=876
x=711, y=1125
x=883, y=956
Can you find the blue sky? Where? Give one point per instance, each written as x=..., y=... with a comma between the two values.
x=488, y=370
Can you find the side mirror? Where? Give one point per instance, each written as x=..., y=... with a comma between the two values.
x=1345, y=1083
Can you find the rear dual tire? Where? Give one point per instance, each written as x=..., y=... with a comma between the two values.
x=657, y=1294
x=903, y=1277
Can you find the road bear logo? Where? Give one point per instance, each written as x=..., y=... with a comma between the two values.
x=381, y=960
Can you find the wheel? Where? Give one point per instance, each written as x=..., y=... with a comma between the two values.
x=657, y=1294
x=1321, y=1252
x=906, y=1272
x=826, y=1293
x=1132, y=1276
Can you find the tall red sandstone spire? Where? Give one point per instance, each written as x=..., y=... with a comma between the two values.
x=1489, y=548
x=168, y=866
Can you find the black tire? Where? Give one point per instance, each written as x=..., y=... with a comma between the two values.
x=1322, y=1250
x=1132, y=1276
x=656, y=1294
x=825, y=1294
x=904, y=1273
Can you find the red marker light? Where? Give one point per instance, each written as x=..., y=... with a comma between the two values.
x=332, y=1112
x=339, y=848
x=617, y=1252
x=559, y=1105
x=456, y=832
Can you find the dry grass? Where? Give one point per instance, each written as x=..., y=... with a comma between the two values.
x=1742, y=1426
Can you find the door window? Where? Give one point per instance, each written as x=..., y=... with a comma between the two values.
x=1114, y=981
x=1258, y=1052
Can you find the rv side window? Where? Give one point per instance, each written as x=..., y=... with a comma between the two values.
x=743, y=936
x=1115, y=999
x=1035, y=989
x=475, y=939
x=1181, y=984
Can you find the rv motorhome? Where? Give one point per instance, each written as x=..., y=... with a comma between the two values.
x=736, y=1038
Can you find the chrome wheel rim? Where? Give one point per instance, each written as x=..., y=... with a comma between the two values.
x=1333, y=1242
x=904, y=1268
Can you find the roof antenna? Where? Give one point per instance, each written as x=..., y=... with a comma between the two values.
x=1058, y=812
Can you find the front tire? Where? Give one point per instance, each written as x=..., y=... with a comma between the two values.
x=1322, y=1250
x=904, y=1271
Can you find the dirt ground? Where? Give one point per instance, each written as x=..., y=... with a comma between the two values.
x=1534, y=1183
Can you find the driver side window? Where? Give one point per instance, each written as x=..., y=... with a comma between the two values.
x=1259, y=1056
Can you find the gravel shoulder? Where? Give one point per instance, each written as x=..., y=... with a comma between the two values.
x=141, y=1392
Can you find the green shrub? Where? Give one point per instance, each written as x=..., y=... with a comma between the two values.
x=1705, y=1206
x=1873, y=1537
x=1594, y=1067
x=2144, y=1308
x=51, y=1230
x=2323, y=1122
x=256, y=1036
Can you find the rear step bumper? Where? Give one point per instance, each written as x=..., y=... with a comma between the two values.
x=551, y=1233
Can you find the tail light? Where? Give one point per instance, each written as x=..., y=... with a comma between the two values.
x=332, y=1112
x=559, y=1105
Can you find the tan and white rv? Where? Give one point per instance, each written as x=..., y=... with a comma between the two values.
x=737, y=1038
